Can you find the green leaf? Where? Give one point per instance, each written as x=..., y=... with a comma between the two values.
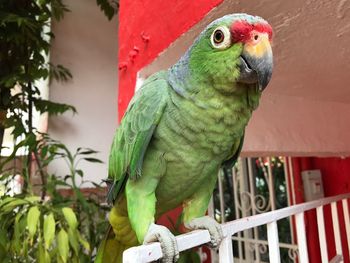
x=63, y=245
x=3, y=253
x=12, y=205
x=17, y=234
x=59, y=73
x=47, y=257
x=3, y=237
x=6, y=200
x=30, y=141
x=93, y=160
x=70, y=217
x=79, y=172
x=195, y=257
x=52, y=108
x=58, y=9
x=44, y=151
x=25, y=248
x=109, y=8
x=33, y=220
x=86, y=151
x=49, y=230
x=83, y=241
x=73, y=240
x=32, y=199
x=41, y=253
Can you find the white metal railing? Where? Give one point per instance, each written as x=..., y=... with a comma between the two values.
x=151, y=252
x=255, y=194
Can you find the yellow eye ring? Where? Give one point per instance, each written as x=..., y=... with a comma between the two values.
x=221, y=38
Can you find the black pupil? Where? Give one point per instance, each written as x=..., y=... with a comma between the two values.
x=256, y=37
x=218, y=36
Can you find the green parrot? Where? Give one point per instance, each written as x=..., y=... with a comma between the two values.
x=180, y=128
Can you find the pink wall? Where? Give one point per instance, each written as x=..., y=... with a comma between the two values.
x=294, y=126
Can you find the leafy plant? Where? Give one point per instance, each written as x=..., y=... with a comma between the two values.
x=53, y=227
x=32, y=231
x=24, y=47
x=41, y=224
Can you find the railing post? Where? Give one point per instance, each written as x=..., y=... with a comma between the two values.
x=302, y=242
x=235, y=192
x=272, y=238
x=225, y=250
x=253, y=204
x=221, y=195
x=272, y=194
x=322, y=234
x=336, y=229
x=347, y=221
x=246, y=206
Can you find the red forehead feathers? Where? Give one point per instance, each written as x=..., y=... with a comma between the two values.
x=241, y=30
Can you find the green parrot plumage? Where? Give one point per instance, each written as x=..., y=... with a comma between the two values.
x=181, y=127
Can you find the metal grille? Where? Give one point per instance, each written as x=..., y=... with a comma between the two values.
x=255, y=186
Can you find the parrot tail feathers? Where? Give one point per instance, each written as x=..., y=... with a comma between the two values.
x=120, y=236
x=110, y=250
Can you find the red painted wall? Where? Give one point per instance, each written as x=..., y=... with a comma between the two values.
x=148, y=27
x=299, y=165
x=335, y=174
x=336, y=180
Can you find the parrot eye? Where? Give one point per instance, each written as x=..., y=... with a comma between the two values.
x=221, y=38
x=218, y=37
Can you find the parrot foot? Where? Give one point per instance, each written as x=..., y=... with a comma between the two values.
x=167, y=242
x=209, y=224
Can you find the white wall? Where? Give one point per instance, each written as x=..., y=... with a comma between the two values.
x=86, y=43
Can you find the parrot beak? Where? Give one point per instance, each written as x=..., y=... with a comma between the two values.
x=256, y=63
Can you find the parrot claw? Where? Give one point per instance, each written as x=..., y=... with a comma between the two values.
x=161, y=234
x=209, y=224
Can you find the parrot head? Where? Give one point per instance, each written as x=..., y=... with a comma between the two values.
x=233, y=50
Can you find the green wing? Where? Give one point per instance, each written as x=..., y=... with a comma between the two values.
x=135, y=132
x=229, y=163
